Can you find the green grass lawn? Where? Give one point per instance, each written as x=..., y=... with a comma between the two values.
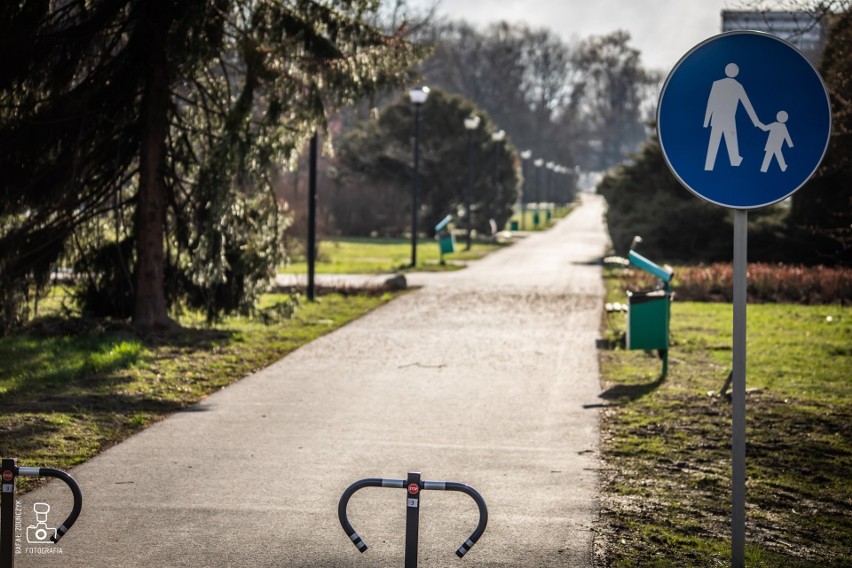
x=666, y=445
x=527, y=221
x=71, y=388
x=366, y=255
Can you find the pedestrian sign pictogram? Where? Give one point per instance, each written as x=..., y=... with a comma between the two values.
x=744, y=120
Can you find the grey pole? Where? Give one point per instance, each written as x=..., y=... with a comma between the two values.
x=471, y=123
x=738, y=445
x=493, y=184
x=468, y=197
x=524, y=193
x=312, y=219
x=496, y=139
x=416, y=189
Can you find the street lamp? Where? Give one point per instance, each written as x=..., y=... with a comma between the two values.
x=563, y=188
x=577, y=187
x=548, y=188
x=496, y=138
x=557, y=185
x=418, y=96
x=471, y=123
x=538, y=164
x=525, y=156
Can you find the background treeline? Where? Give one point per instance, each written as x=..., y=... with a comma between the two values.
x=581, y=105
x=155, y=149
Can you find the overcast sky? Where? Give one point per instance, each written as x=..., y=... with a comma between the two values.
x=663, y=30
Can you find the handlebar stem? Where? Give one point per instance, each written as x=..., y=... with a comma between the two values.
x=10, y=473
x=422, y=485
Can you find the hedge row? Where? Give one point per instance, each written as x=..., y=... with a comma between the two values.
x=766, y=283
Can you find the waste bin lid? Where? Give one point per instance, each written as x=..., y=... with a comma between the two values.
x=664, y=274
x=443, y=223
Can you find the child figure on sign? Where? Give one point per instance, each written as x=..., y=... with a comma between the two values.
x=778, y=134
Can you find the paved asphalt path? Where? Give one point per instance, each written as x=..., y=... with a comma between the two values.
x=479, y=377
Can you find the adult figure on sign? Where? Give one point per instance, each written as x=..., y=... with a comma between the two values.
x=726, y=95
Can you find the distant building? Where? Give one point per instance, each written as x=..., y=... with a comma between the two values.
x=805, y=30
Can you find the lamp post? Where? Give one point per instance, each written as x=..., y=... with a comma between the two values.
x=525, y=156
x=557, y=170
x=578, y=174
x=566, y=184
x=312, y=218
x=496, y=138
x=559, y=188
x=418, y=96
x=537, y=216
x=549, y=188
x=471, y=123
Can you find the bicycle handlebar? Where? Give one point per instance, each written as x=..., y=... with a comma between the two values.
x=424, y=485
x=72, y=485
x=480, y=503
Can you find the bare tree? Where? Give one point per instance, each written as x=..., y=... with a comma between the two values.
x=613, y=86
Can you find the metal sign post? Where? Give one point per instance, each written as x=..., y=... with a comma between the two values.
x=738, y=421
x=744, y=121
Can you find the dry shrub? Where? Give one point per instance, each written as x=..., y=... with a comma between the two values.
x=766, y=283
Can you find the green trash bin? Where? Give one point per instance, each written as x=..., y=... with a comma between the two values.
x=648, y=320
x=444, y=236
x=649, y=313
x=446, y=242
x=514, y=225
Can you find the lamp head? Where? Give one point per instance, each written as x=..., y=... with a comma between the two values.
x=472, y=122
x=419, y=95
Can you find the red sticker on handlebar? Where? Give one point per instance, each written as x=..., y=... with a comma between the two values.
x=413, y=489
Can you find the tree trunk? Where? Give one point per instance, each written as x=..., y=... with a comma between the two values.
x=150, y=308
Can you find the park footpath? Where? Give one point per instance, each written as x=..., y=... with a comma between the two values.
x=478, y=377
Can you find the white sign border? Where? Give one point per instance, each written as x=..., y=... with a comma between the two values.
x=660, y=106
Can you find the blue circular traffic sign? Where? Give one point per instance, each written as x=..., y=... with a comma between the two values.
x=744, y=120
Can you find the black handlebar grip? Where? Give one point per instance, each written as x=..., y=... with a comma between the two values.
x=344, y=501
x=483, y=515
